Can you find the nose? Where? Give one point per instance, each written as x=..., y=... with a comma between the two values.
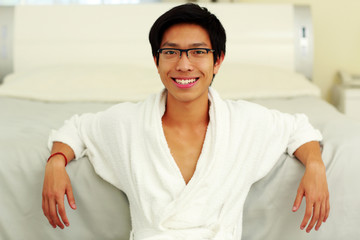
x=184, y=64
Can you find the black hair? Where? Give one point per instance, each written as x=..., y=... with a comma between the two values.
x=193, y=14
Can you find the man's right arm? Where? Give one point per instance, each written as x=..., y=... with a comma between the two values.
x=56, y=185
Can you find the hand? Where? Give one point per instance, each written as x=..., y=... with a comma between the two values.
x=56, y=185
x=314, y=187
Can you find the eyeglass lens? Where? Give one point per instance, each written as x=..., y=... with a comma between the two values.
x=195, y=54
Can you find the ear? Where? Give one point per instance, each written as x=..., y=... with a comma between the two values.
x=218, y=63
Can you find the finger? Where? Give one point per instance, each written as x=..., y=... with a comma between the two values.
x=47, y=211
x=62, y=212
x=322, y=216
x=327, y=209
x=308, y=213
x=315, y=217
x=53, y=214
x=298, y=200
x=70, y=197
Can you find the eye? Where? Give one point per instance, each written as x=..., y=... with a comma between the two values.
x=170, y=52
x=199, y=52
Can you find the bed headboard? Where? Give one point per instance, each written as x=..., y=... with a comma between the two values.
x=33, y=37
x=6, y=40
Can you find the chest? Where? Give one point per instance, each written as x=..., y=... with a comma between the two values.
x=185, y=145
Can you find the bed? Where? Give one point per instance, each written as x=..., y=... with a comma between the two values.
x=58, y=64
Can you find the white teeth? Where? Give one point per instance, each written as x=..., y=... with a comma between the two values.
x=185, y=81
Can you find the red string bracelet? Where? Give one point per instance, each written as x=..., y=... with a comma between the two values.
x=58, y=153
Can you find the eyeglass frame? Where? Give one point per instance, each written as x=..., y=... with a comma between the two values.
x=159, y=51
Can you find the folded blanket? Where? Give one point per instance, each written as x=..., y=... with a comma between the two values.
x=127, y=146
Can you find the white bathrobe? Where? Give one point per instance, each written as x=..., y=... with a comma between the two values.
x=127, y=147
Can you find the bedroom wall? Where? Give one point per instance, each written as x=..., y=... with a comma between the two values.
x=337, y=38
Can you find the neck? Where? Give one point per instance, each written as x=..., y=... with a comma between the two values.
x=186, y=113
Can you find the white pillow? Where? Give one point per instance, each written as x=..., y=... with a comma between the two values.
x=241, y=81
x=84, y=83
x=133, y=83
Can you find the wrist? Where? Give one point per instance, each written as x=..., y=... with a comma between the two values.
x=58, y=157
x=57, y=160
x=318, y=165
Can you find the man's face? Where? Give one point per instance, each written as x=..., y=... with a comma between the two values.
x=187, y=79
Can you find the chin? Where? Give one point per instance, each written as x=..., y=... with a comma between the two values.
x=188, y=95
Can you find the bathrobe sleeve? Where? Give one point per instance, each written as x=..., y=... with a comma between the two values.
x=99, y=136
x=276, y=133
x=79, y=132
x=302, y=133
x=296, y=129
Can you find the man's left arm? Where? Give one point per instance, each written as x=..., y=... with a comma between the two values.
x=313, y=186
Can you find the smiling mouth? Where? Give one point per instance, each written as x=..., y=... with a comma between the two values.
x=186, y=81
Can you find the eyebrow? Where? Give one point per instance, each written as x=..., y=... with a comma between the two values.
x=170, y=44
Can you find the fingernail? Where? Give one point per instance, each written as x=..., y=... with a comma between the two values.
x=294, y=208
x=66, y=224
x=301, y=227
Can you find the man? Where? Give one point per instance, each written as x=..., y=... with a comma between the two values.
x=185, y=158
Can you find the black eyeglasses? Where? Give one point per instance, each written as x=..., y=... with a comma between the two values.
x=193, y=54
